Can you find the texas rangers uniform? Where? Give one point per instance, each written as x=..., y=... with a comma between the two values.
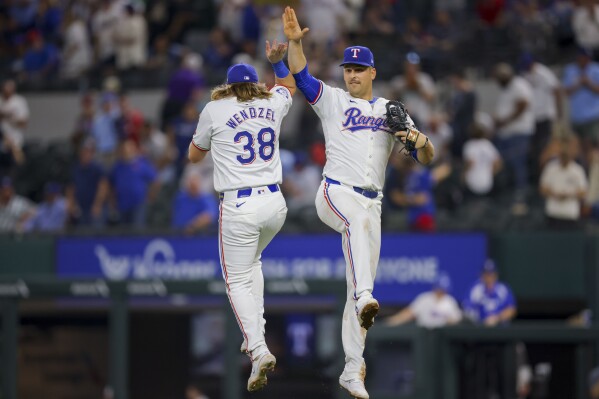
x=358, y=145
x=243, y=139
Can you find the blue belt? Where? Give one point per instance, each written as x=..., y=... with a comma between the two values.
x=362, y=191
x=246, y=192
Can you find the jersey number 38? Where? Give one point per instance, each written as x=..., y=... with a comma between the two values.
x=266, y=145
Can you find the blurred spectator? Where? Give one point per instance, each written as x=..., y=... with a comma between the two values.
x=431, y=309
x=301, y=184
x=378, y=18
x=134, y=185
x=181, y=131
x=14, y=113
x=490, y=12
x=410, y=186
x=193, y=209
x=88, y=190
x=10, y=155
x=546, y=105
x=48, y=19
x=40, y=61
x=585, y=22
x=415, y=89
x=515, y=124
x=103, y=25
x=160, y=58
x=325, y=19
x=439, y=132
x=104, y=130
x=490, y=302
x=15, y=211
x=530, y=27
x=193, y=392
x=594, y=383
x=591, y=206
x=481, y=162
x=76, y=57
x=462, y=107
x=130, y=39
x=51, y=214
x=564, y=185
x=581, y=83
x=83, y=124
x=219, y=52
x=160, y=150
x=184, y=86
x=130, y=121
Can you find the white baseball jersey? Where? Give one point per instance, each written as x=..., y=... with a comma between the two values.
x=244, y=139
x=357, y=144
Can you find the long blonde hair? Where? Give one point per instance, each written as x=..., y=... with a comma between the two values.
x=243, y=91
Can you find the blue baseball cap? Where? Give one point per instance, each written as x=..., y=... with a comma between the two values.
x=442, y=282
x=242, y=73
x=489, y=266
x=358, y=55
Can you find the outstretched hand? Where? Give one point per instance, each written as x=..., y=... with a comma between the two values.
x=276, y=52
x=291, y=27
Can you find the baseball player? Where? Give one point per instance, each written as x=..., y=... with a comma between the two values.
x=358, y=143
x=241, y=126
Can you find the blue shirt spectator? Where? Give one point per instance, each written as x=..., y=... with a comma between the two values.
x=51, y=214
x=581, y=81
x=104, y=130
x=131, y=178
x=87, y=192
x=421, y=210
x=194, y=210
x=490, y=302
x=42, y=57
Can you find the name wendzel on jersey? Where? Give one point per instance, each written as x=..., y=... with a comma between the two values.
x=356, y=121
x=250, y=113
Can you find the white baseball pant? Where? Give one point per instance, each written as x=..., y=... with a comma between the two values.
x=247, y=225
x=358, y=219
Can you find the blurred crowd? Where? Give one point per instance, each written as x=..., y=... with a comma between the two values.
x=532, y=157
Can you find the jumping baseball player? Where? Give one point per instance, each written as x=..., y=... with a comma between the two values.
x=360, y=132
x=241, y=126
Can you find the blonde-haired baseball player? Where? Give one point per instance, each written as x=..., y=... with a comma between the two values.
x=358, y=144
x=241, y=127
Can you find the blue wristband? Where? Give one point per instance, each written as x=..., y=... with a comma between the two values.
x=280, y=69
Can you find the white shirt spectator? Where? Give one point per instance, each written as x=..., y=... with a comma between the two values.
x=482, y=154
x=104, y=23
x=13, y=111
x=418, y=107
x=77, y=52
x=432, y=312
x=586, y=26
x=131, y=41
x=13, y=212
x=323, y=17
x=518, y=89
x=543, y=82
x=563, y=180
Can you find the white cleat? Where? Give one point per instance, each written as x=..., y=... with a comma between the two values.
x=367, y=310
x=355, y=387
x=260, y=366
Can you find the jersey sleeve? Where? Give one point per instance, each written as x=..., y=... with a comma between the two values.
x=203, y=133
x=282, y=97
x=316, y=91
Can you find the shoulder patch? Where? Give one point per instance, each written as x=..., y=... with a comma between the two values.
x=282, y=91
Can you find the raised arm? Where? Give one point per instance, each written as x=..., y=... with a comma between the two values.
x=275, y=55
x=294, y=33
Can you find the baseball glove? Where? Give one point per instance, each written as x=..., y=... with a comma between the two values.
x=396, y=119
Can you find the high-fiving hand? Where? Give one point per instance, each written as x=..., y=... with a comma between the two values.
x=291, y=27
x=276, y=52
